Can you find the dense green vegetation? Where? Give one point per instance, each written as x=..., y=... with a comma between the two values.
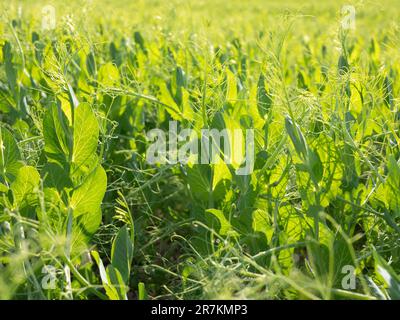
x=85, y=216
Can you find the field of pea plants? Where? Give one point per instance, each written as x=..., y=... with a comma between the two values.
x=106, y=107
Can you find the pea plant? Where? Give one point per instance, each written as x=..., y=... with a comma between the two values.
x=155, y=150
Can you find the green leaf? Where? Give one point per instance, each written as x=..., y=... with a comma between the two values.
x=108, y=75
x=264, y=100
x=74, y=148
x=301, y=82
x=9, y=156
x=297, y=137
x=55, y=176
x=11, y=73
x=72, y=97
x=394, y=171
x=187, y=110
x=140, y=41
x=56, y=134
x=100, y=265
x=181, y=79
x=85, y=139
x=91, y=64
x=389, y=276
x=225, y=227
x=86, y=200
x=342, y=257
x=122, y=253
x=115, y=278
x=204, y=185
x=111, y=291
x=25, y=182
x=343, y=65
x=231, y=90
x=318, y=255
x=315, y=166
x=199, y=179
x=142, y=293
x=3, y=188
x=388, y=91
x=169, y=103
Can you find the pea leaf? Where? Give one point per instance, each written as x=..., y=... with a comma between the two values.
x=297, y=137
x=122, y=253
x=25, y=182
x=91, y=64
x=56, y=135
x=74, y=148
x=315, y=166
x=199, y=179
x=9, y=156
x=11, y=72
x=100, y=265
x=231, y=90
x=169, y=103
x=264, y=100
x=55, y=176
x=111, y=291
x=142, y=293
x=389, y=276
x=115, y=278
x=85, y=138
x=108, y=75
x=225, y=227
x=86, y=200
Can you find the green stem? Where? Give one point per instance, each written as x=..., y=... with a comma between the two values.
x=83, y=281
